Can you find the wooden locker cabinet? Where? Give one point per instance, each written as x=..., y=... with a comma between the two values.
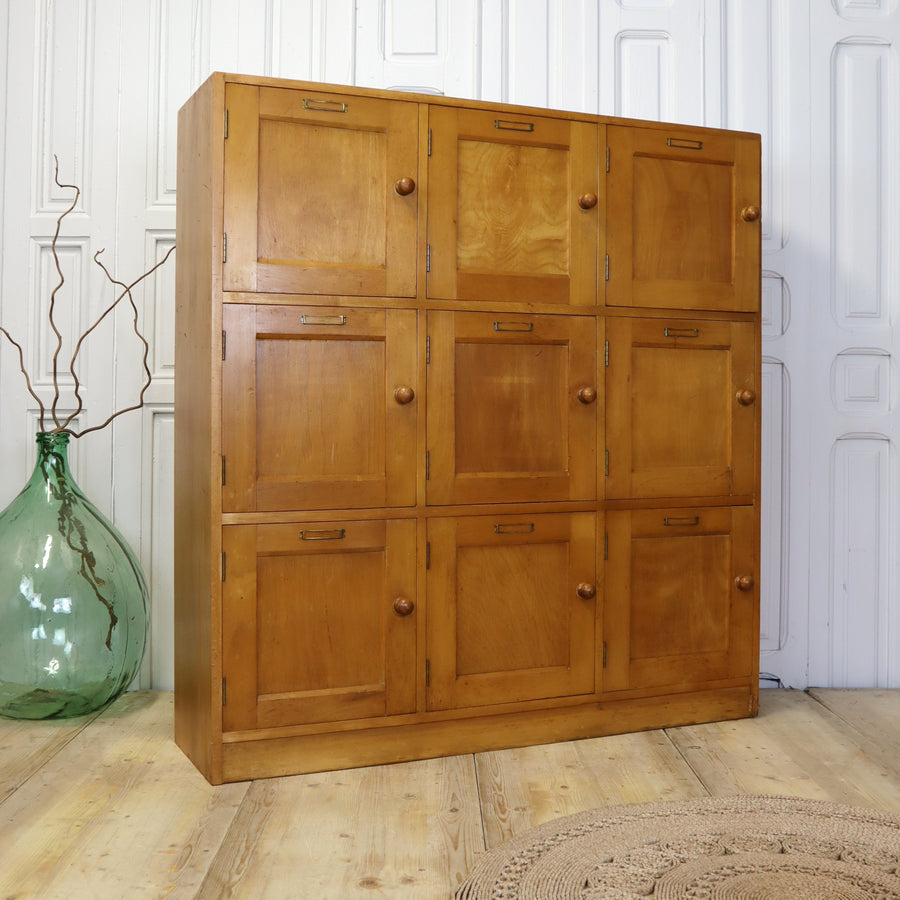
x=467, y=428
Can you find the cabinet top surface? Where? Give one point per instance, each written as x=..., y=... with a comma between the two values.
x=459, y=102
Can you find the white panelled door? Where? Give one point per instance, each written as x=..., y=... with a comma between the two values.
x=854, y=575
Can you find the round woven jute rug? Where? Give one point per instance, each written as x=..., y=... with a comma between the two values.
x=739, y=848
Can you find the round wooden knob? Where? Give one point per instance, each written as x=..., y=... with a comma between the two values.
x=587, y=395
x=750, y=213
x=403, y=606
x=404, y=186
x=586, y=591
x=746, y=397
x=404, y=394
x=587, y=201
x=744, y=582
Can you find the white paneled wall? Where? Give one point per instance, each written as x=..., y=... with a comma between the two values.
x=99, y=83
x=854, y=286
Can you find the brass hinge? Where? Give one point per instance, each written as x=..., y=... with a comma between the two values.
x=224, y=247
x=606, y=462
x=604, y=654
x=605, y=547
x=223, y=469
x=224, y=695
x=606, y=353
x=223, y=345
x=427, y=673
x=226, y=127
x=428, y=350
x=429, y=142
x=607, y=267
x=428, y=257
x=607, y=160
x=223, y=565
x=427, y=465
x=428, y=554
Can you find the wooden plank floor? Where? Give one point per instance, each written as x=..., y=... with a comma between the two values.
x=108, y=807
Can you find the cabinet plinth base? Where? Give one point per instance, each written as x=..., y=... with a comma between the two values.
x=299, y=755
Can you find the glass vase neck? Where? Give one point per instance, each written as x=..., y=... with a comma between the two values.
x=53, y=454
x=50, y=440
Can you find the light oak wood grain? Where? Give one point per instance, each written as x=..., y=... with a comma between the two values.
x=504, y=219
x=119, y=809
x=407, y=831
x=520, y=789
x=26, y=746
x=796, y=748
x=197, y=449
x=688, y=246
x=282, y=152
x=874, y=714
x=110, y=808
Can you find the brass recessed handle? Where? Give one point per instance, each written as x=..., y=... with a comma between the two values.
x=587, y=201
x=744, y=582
x=587, y=395
x=586, y=591
x=404, y=186
x=403, y=606
x=750, y=213
x=746, y=397
x=404, y=394
x=323, y=534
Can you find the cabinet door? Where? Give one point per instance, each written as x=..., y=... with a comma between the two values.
x=319, y=408
x=315, y=197
x=685, y=211
x=682, y=412
x=511, y=608
x=319, y=622
x=515, y=207
x=681, y=601
x=512, y=408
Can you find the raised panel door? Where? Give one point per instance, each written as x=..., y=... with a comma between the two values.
x=319, y=622
x=681, y=596
x=511, y=608
x=512, y=408
x=515, y=207
x=319, y=408
x=685, y=204
x=321, y=193
x=681, y=405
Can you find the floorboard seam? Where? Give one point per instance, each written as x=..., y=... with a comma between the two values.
x=480, y=802
x=866, y=742
x=76, y=734
x=687, y=762
x=832, y=712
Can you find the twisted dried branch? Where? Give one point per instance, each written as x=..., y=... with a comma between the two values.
x=126, y=292
x=18, y=347
x=63, y=427
x=62, y=279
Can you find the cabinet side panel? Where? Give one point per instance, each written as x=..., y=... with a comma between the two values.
x=198, y=214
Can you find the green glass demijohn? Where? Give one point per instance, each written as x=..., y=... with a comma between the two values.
x=73, y=598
